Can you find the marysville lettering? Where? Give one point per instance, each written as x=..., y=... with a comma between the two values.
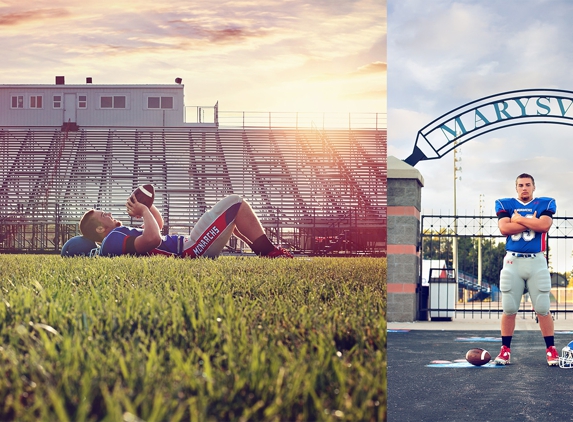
x=481, y=116
x=507, y=109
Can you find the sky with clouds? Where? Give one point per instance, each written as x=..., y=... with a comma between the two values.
x=443, y=54
x=264, y=55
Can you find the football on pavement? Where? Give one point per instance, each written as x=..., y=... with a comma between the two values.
x=477, y=356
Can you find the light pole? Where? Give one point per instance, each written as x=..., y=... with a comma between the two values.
x=455, y=241
x=481, y=196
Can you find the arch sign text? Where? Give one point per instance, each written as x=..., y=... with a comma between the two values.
x=491, y=113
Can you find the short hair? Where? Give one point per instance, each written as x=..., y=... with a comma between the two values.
x=525, y=176
x=88, y=226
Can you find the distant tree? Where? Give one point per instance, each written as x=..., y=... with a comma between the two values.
x=492, y=254
x=492, y=260
x=439, y=246
x=569, y=278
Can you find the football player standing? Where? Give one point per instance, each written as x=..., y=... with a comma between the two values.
x=525, y=221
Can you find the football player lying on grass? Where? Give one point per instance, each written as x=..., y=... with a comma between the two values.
x=231, y=215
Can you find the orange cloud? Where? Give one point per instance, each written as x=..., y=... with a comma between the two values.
x=375, y=67
x=196, y=30
x=230, y=34
x=12, y=19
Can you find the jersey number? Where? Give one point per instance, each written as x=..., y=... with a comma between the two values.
x=527, y=235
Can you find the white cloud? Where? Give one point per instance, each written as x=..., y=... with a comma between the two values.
x=405, y=125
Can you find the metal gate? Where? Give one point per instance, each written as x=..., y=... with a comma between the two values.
x=461, y=257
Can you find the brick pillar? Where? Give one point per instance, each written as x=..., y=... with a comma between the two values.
x=404, y=204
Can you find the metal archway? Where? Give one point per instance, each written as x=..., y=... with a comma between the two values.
x=490, y=113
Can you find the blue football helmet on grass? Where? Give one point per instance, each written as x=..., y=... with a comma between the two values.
x=79, y=246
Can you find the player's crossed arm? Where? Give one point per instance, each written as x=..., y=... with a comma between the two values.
x=532, y=222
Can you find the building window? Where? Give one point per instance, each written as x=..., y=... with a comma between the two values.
x=160, y=102
x=57, y=101
x=153, y=102
x=116, y=101
x=106, y=102
x=166, y=102
x=17, y=101
x=36, y=101
x=82, y=101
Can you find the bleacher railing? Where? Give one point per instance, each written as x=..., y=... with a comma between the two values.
x=274, y=119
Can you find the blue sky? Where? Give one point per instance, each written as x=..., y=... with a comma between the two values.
x=277, y=55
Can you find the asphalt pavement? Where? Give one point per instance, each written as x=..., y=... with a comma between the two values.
x=429, y=379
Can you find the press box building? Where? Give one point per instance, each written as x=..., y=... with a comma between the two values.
x=89, y=104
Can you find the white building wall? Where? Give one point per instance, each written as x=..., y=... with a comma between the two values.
x=19, y=105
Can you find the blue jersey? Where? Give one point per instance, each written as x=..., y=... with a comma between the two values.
x=121, y=241
x=527, y=241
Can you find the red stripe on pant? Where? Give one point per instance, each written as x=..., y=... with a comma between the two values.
x=207, y=238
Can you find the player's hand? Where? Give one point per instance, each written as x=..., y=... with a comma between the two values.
x=135, y=209
x=522, y=219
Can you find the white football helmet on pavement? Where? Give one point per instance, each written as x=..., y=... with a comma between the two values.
x=566, y=358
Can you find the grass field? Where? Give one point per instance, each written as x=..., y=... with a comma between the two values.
x=166, y=339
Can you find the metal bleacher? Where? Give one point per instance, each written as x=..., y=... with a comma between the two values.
x=315, y=191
